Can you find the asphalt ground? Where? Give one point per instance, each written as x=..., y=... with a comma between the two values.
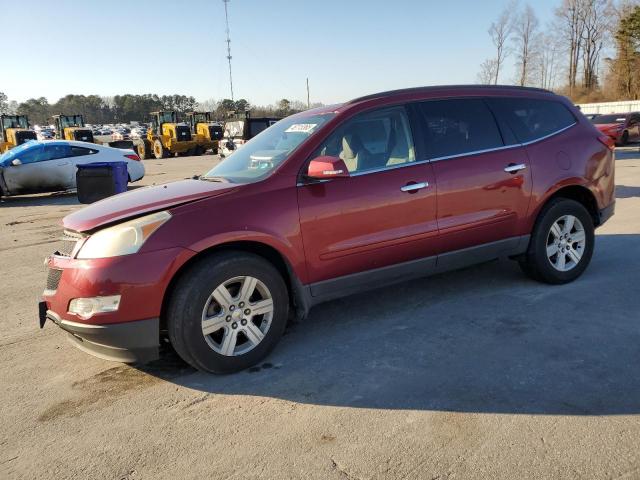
x=479, y=373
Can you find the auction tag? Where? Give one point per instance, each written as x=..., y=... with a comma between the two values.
x=301, y=127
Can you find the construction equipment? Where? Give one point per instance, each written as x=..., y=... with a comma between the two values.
x=72, y=127
x=14, y=131
x=206, y=131
x=242, y=127
x=166, y=137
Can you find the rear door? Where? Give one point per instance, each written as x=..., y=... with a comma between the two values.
x=484, y=180
x=80, y=156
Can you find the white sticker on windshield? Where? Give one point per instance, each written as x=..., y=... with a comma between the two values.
x=301, y=127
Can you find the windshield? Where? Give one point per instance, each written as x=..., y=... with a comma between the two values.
x=603, y=119
x=167, y=117
x=262, y=154
x=71, y=121
x=15, y=122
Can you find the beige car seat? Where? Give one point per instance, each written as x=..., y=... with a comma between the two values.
x=352, y=151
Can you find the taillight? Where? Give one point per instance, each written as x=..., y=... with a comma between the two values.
x=133, y=156
x=608, y=142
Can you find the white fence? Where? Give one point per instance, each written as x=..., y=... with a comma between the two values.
x=611, y=107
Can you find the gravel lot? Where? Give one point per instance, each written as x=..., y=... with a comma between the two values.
x=480, y=373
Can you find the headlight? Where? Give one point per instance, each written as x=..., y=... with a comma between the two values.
x=122, y=239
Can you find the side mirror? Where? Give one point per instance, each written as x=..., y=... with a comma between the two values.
x=15, y=162
x=323, y=168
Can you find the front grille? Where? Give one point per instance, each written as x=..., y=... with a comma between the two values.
x=83, y=135
x=183, y=133
x=25, y=136
x=67, y=243
x=53, y=279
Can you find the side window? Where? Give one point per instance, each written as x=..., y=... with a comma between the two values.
x=371, y=141
x=54, y=152
x=456, y=127
x=531, y=119
x=32, y=155
x=80, y=151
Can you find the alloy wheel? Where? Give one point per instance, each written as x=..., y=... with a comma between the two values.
x=566, y=243
x=237, y=316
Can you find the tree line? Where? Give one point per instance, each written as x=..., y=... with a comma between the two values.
x=590, y=50
x=126, y=108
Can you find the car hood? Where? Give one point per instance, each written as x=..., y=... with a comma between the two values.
x=607, y=126
x=141, y=201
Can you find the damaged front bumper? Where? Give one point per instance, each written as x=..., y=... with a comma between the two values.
x=129, y=342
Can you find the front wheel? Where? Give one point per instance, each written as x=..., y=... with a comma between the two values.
x=227, y=312
x=561, y=244
x=624, y=139
x=159, y=151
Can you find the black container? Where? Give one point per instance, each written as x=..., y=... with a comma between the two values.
x=96, y=181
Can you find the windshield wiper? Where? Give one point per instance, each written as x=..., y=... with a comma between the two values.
x=214, y=179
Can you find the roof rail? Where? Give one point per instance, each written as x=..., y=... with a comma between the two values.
x=445, y=87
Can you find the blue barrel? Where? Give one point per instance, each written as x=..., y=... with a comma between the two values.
x=99, y=180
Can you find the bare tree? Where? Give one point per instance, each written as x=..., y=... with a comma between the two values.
x=487, y=72
x=547, y=61
x=571, y=28
x=525, y=43
x=500, y=31
x=208, y=105
x=596, y=24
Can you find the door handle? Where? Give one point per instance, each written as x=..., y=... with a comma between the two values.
x=414, y=187
x=514, y=168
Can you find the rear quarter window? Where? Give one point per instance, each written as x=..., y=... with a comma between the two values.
x=532, y=119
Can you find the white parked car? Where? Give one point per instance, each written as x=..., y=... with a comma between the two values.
x=50, y=166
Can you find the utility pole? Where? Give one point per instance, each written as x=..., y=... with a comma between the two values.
x=308, y=98
x=226, y=16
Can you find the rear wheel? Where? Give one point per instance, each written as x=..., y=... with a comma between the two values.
x=562, y=243
x=227, y=312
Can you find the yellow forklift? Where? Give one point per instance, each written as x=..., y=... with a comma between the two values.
x=166, y=137
x=72, y=127
x=206, y=130
x=14, y=131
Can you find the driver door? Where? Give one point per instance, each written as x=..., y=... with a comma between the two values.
x=43, y=168
x=382, y=215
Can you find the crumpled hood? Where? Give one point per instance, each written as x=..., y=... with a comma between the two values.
x=141, y=201
x=609, y=126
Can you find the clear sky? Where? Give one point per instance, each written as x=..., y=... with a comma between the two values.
x=347, y=48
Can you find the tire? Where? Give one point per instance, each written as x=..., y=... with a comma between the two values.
x=143, y=150
x=192, y=299
x=624, y=139
x=158, y=150
x=540, y=263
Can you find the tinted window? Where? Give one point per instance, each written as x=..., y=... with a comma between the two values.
x=614, y=118
x=531, y=119
x=53, y=152
x=372, y=140
x=32, y=155
x=80, y=151
x=256, y=127
x=455, y=127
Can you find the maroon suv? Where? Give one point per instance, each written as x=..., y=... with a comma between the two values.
x=326, y=203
